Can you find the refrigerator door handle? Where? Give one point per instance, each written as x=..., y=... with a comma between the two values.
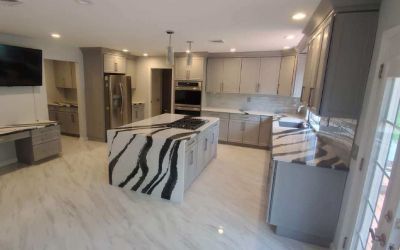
x=122, y=98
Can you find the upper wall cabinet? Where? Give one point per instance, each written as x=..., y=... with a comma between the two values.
x=250, y=76
x=338, y=63
x=114, y=64
x=269, y=75
x=193, y=72
x=223, y=75
x=65, y=74
x=286, y=76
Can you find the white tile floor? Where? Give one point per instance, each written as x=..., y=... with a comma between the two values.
x=66, y=203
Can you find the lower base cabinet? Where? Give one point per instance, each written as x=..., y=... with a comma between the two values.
x=265, y=131
x=199, y=152
x=66, y=117
x=315, y=193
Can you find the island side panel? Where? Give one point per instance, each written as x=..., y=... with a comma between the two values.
x=148, y=165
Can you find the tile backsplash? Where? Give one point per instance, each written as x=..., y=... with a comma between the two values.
x=273, y=104
x=338, y=132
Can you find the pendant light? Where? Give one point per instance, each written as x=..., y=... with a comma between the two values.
x=170, y=50
x=189, y=58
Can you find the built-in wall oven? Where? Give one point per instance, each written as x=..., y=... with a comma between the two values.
x=188, y=98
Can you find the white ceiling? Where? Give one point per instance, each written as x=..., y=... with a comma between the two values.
x=140, y=25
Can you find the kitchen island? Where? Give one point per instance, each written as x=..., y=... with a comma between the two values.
x=161, y=156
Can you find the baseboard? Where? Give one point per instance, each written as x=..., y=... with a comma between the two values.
x=8, y=161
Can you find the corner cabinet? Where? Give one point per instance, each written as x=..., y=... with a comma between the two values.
x=114, y=64
x=338, y=63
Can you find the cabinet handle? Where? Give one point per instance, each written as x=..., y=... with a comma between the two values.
x=115, y=67
x=136, y=114
x=222, y=87
x=191, y=157
x=205, y=144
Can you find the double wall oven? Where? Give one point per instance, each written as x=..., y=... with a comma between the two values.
x=188, y=98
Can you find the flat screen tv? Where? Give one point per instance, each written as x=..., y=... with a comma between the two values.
x=20, y=66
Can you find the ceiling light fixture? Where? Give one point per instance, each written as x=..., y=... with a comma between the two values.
x=10, y=2
x=55, y=35
x=289, y=37
x=232, y=50
x=299, y=16
x=170, y=50
x=286, y=47
x=145, y=54
x=84, y=2
x=125, y=50
x=189, y=58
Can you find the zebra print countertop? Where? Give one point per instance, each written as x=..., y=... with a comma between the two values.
x=148, y=157
x=303, y=146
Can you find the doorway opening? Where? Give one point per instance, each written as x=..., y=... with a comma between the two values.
x=161, y=91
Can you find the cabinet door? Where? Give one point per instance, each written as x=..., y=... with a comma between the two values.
x=121, y=64
x=196, y=71
x=286, y=76
x=250, y=76
x=64, y=121
x=62, y=74
x=236, y=128
x=202, y=151
x=53, y=115
x=215, y=71
x=265, y=131
x=74, y=129
x=231, y=76
x=214, y=141
x=181, y=68
x=269, y=75
x=110, y=66
x=190, y=165
x=251, y=132
x=315, y=97
x=223, y=129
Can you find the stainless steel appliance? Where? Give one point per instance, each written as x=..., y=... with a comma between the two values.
x=188, y=98
x=117, y=99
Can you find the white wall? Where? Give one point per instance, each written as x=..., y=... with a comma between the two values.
x=389, y=18
x=29, y=104
x=143, y=79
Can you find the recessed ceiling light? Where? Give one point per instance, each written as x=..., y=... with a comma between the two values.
x=299, y=16
x=187, y=51
x=145, y=54
x=55, y=35
x=125, y=50
x=286, y=47
x=289, y=37
x=232, y=50
x=10, y=2
x=84, y=2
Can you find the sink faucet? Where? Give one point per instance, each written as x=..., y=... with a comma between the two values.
x=299, y=108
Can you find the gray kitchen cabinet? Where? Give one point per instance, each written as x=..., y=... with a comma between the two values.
x=66, y=117
x=114, y=64
x=250, y=76
x=191, y=159
x=339, y=78
x=251, y=132
x=194, y=72
x=137, y=112
x=215, y=71
x=235, y=133
x=286, y=76
x=296, y=189
x=265, y=131
x=65, y=74
x=231, y=76
x=269, y=75
x=223, y=123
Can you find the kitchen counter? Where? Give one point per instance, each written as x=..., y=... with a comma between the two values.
x=303, y=146
x=237, y=111
x=16, y=128
x=149, y=157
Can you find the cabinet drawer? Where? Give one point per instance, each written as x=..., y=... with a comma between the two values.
x=46, y=130
x=45, y=137
x=44, y=150
x=220, y=115
x=244, y=117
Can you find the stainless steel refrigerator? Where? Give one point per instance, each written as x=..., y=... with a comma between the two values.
x=118, y=104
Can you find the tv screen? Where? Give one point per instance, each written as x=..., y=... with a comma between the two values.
x=20, y=66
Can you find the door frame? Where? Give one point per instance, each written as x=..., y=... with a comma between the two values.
x=372, y=115
x=151, y=88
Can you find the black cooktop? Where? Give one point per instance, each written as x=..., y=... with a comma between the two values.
x=188, y=123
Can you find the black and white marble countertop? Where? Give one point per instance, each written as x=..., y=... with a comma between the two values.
x=303, y=146
x=16, y=128
x=156, y=127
